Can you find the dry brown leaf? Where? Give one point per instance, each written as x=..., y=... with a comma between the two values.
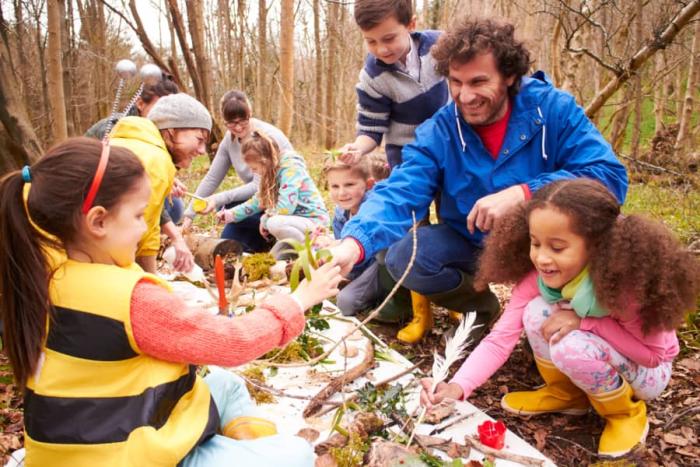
x=325, y=460
x=309, y=434
x=689, y=363
x=456, y=450
x=540, y=438
x=676, y=440
x=440, y=411
x=689, y=434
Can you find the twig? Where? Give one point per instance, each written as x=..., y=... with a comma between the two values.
x=369, y=317
x=650, y=166
x=336, y=383
x=681, y=414
x=450, y=422
x=352, y=397
x=583, y=448
x=501, y=454
x=271, y=390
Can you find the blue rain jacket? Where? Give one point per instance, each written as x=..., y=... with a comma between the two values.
x=548, y=138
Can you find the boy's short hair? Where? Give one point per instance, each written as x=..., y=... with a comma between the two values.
x=372, y=165
x=370, y=13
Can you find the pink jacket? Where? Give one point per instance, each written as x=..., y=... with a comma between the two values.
x=622, y=333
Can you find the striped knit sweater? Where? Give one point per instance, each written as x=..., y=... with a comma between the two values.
x=392, y=104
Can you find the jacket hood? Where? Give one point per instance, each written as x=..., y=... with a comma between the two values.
x=138, y=128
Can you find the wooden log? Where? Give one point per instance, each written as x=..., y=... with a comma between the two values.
x=205, y=249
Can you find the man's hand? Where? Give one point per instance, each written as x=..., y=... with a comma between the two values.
x=442, y=391
x=345, y=254
x=490, y=208
x=559, y=324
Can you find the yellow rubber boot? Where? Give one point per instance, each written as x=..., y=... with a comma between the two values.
x=455, y=316
x=249, y=428
x=558, y=395
x=626, y=422
x=421, y=323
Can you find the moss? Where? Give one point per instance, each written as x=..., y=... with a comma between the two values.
x=257, y=266
x=353, y=453
x=260, y=396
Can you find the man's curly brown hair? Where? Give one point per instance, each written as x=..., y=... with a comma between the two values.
x=631, y=259
x=469, y=37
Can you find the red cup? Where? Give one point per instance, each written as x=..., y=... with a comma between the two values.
x=492, y=434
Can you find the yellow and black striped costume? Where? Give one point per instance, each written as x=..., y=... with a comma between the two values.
x=96, y=400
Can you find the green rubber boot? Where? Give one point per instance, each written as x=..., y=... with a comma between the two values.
x=463, y=299
x=398, y=308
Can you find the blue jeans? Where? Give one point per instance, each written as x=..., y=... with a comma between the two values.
x=441, y=254
x=247, y=232
x=175, y=209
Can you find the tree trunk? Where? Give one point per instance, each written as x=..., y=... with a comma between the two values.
x=660, y=90
x=260, y=80
x=14, y=115
x=241, y=44
x=318, y=76
x=59, y=130
x=195, y=18
x=329, y=121
x=637, y=126
x=620, y=119
x=643, y=54
x=179, y=26
x=690, y=91
x=555, y=54
x=150, y=49
x=287, y=66
x=67, y=63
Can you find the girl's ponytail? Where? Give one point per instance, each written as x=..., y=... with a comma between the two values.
x=24, y=273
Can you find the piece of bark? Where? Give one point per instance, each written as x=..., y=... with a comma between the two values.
x=365, y=424
x=309, y=434
x=205, y=249
x=501, y=454
x=338, y=382
x=325, y=460
x=456, y=450
x=336, y=440
x=385, y=453
x=440, y=411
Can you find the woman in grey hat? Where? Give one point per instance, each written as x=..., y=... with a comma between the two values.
x=175, y=131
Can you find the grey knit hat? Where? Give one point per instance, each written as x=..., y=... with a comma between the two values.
x=179, y=111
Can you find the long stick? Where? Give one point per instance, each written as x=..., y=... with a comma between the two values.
x=501, y=454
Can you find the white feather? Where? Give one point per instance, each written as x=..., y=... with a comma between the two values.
x=454, y=349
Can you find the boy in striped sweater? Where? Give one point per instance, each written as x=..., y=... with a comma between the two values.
x=398, y=88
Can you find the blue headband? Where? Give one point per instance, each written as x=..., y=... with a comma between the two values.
x=26, y=174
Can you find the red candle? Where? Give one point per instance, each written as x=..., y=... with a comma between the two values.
x=492, y=434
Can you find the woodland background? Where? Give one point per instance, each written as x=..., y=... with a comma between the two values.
x=633, y=64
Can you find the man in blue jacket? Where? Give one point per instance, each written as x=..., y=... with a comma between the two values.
x=504, y=136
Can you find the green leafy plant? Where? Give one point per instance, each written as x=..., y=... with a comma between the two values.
x=307, y=259
x=386, y=401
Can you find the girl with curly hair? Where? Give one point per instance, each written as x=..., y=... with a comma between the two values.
x=287, y=196
x=599, y=296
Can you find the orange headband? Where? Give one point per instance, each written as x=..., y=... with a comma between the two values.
x=97, y=180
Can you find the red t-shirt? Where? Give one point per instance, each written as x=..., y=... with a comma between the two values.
x=492, y=135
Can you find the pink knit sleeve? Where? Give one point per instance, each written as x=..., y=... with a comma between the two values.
x=166, y=328
x=494, y=349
